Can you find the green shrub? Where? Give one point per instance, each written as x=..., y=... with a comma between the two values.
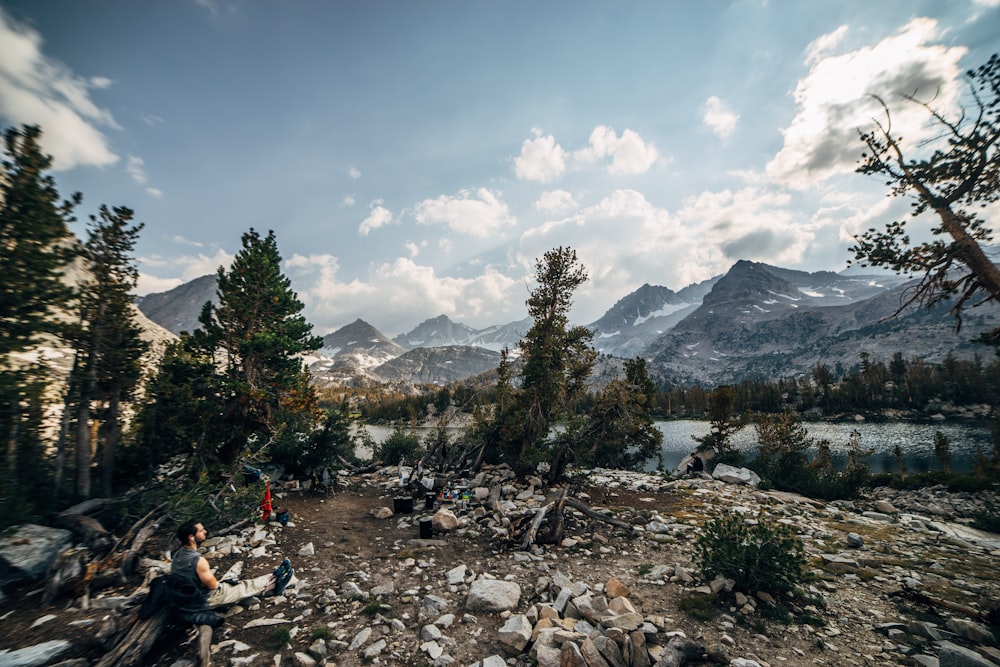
x=988, y=519
x=305, y=448
x=278, y=638
x=699, y=606
x=398, y=448
x=782, y=460
x=758, y=556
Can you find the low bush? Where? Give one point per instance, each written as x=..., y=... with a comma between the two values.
x=758, y=555
x=699, y=606
x=988, y=519
x=399, y=447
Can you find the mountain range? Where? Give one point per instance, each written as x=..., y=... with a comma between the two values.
x=756, y=321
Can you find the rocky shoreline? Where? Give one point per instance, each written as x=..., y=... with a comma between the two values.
x=895, y=578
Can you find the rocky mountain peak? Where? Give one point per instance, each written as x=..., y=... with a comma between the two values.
x=177, y=310
x=752, y=284
x=436, y=332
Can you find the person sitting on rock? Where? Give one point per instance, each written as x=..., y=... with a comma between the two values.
x=696, y=464
x=196, y=591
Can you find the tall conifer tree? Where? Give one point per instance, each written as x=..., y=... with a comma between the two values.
x=257, y=332
x=35, y=248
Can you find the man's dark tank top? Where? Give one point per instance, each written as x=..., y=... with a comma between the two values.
x=184, y=569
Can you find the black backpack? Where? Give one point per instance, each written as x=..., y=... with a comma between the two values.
x=185, y=600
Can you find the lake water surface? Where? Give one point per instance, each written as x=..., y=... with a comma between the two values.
x=915, y=439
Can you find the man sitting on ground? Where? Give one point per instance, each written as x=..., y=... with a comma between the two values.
x=696, y=464
x=190, y=573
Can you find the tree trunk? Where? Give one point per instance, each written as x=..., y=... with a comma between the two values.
x=83, y=456
x=62, y=444
x=12, y=467
x=114, y=431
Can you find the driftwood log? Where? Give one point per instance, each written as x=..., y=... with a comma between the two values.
x=554, y=512
x=931, y=601
x=134, y=639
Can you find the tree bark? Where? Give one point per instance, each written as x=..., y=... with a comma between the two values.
x=83, y=444
x=114, y=431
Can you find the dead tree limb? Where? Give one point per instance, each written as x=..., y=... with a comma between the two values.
x=529, y=535
x=234, y=527
x=556, y=525
x=924, y=598
x=138, y=639
x=137, y=526
x=128, y=562
x=593, y=514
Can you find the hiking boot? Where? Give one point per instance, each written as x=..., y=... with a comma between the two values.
x=282, y=570
x=282, y=581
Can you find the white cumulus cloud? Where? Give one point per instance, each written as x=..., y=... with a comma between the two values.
x=190, y=267
x=36, y=89
x=409, y=292
x=719, y=117
x=835, y=99
x=480, y=214
x=629, y=154
x=541, y=159
x=555, y=201
x=379, y=217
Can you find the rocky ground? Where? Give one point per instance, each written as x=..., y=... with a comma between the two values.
x=894, y=579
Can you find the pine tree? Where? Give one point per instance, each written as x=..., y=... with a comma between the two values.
x=36, y=246
x=619, y=431
x=954, y=177
x=557, y=360
x=257, y=332
x=109, y=348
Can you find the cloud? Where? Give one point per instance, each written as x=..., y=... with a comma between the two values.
x=664, y=252
x=183, y=241
x=150, y=284
x=188, y=267
x=751, y=223
x=834, y=100
x=629, y=154
x=675, y=249
x=555, y=201
x=541, y=159
x=719, y=118
x=35, y=89
x=379, y=217
x=353, y=173
x=480, y=215
x=348, y=201
x=409, y=291
x=136, y=168
x=824, y=44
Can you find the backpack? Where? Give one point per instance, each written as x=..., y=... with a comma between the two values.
x=157, y=598
x=185, y=601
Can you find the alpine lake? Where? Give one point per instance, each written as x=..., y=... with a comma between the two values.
x=966, y=438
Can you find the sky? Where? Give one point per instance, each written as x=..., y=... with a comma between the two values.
x=417, y=157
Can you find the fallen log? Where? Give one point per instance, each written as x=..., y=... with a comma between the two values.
x=128, y=562
x=529, y=535
x=234, y=527
x=138, y=638
x=555, y=532
x=593, y=514
x=85, y=529
x=930, y=601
